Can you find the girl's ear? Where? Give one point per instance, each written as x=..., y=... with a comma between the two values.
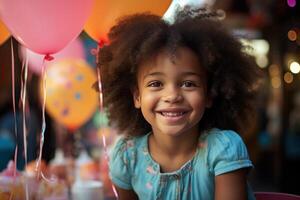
x=136, y=98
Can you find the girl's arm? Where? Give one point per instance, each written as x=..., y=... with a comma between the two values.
x=231, y=185
x=126, y=194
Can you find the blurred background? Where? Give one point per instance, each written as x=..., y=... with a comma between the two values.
x=75, y=127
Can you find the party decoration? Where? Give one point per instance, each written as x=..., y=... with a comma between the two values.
x=4, y=34
x=74, y=50
x=106, y=12
x=43, y=26
x=196, y=3
x=178, y=5
x=71, y=100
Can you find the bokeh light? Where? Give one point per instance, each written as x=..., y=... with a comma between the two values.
x=292, y=35
x=262, y=61
x=288, y=77
x=273, y=70
x=276, y=82
x=261, y=46
x=291, y=3
x=295, y=67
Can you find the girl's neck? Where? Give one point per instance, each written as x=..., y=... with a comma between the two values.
x=175, y=145
x=171, y=153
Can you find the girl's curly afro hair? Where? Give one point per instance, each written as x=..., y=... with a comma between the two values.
x=232, y=74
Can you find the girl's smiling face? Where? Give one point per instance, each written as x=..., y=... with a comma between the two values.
x=172, y=92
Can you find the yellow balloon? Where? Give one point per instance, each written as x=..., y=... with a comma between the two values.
x=4, y=33
x=106, y=12
x=70, y=98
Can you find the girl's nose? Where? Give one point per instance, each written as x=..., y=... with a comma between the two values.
x=172, y=95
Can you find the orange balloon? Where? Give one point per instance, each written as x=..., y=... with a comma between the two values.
x=106, y=12
x=70, y=100
x=4, y=33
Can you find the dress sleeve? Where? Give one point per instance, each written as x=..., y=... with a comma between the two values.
x=119, y=167
x=226, y=152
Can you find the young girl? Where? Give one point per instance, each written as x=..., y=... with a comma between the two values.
x=180, y=93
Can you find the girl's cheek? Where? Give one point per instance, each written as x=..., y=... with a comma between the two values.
x=150, y=98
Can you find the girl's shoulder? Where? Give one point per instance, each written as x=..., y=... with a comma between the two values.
x=220, y=137
x=126, y=148
x=224, y=151
x=129, y=143
x=122, y=160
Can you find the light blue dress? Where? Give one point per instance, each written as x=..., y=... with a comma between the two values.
x=218, y=152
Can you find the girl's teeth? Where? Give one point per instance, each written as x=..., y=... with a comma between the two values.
x=172, y=114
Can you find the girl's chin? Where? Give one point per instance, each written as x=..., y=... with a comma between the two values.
x=172, y=131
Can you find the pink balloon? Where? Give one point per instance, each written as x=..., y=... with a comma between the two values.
x=74, y=49
x=45, y=26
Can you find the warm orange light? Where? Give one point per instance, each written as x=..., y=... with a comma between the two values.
x=288, y=77
x=292, y=35
x=276, y=82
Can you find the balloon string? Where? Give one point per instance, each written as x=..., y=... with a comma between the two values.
x=13, y=98
x=13, y=86
x=100, y=91
x=14, y=109
x=99, y=77
x=38, y=164
x=44, y=78
x=23, y=100
x=101, y=107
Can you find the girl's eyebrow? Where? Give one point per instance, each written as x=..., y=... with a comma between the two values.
x=188, y=73
x=154, y=74
x=191, y=74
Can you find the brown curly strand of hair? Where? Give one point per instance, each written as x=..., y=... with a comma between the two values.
x=138, y=38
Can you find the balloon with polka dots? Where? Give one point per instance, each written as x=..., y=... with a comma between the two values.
x=71, y=100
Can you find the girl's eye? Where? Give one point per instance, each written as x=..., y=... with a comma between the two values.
x=188, y=84
x=154, y=84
